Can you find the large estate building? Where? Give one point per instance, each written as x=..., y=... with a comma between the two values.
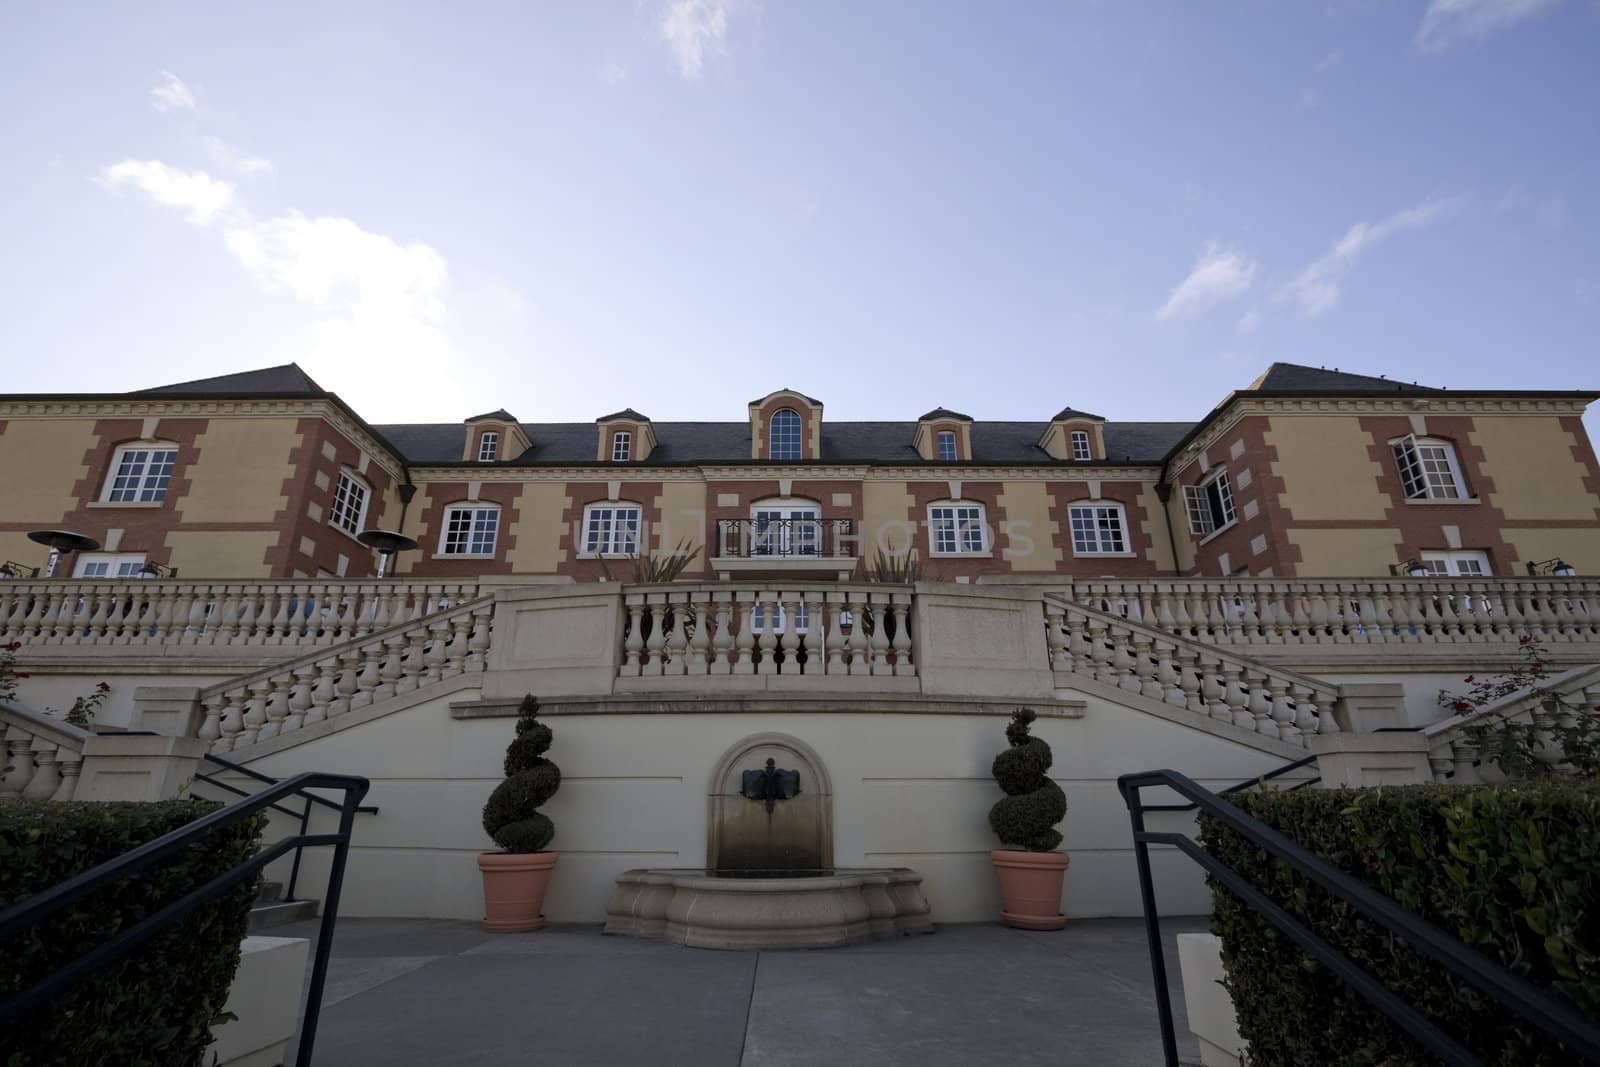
x=1295, y=574
x=1307, y=472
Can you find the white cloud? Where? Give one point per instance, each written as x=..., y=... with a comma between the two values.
x=1450, y=22
x=695, y=30
x=1248, y=323
x=203, y=196
x=1329, y=61
x=613, y=73
x=1309, y=98
x=1316, y=288
x=1220, y=274
x=170, y=94
x=228, y=156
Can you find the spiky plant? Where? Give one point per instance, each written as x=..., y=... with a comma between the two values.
x=1025, y=818
x=512, y=814
x=897, y=569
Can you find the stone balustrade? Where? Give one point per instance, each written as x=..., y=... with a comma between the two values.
x=401, y=658
x=40, y=757
x=1186, y=673
x=1452, y=756
x=753, y=628
x=1355, y=611
x=133, y=612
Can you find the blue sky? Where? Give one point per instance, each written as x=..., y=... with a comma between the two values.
x=678, y=205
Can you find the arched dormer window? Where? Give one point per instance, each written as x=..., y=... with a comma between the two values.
x=139, y=472
x=784, y=436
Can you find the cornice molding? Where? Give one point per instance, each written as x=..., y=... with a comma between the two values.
x=862, y=473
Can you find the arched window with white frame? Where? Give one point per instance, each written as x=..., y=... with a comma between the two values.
x=1099, y=528
x=784, y=434
x=140, y=472
x=1428, y=468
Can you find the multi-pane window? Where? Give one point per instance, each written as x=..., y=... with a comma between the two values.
x=786, y=434
x=1428, y=469
x=947, y=445
x=780, y=618
x=621, y=446
x=349, y=503
x=140, y=473
x=1468, y=563
x=1097, y=529
x=1210, y=504
x=611, y=529
x=785, y=530
x=469, y=530
x=488, y=446
x=1080, y=444
x=108, y=566
x=957, y=528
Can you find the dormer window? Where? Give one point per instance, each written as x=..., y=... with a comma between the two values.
x=1080, y=444
x=947, y=445
x=621, y=446
x=488, y=446
x=785, y=436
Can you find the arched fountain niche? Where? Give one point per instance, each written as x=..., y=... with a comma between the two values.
x=771, y=810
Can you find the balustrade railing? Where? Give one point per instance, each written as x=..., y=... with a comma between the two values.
x=785, y=539
x=140, y=612
x=317, y=686
x=1452, y=756
x=1233, y=611
x=40, y=757
x=1187, y=674
x=762, y=629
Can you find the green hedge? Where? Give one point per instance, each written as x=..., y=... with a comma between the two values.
x=156, y=1006
x=1512, y=870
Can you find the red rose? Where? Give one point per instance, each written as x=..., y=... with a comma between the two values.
x=103, y=687
x=1524, y=639
x=13, y=646
x=1462, y=705
x=1536, y=664
x=1468, y=679
x=20, y=674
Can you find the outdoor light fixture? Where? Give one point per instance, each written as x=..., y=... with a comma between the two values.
x=387, y=544
x=157, y=570
x=1410, y=568
x=11, y=569
x=1558, y=568
x=61, y=543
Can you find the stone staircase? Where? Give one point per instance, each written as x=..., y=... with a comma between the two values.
x=270, y=909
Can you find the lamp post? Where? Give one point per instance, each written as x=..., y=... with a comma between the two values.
x=61, y=543
x=387, y=544
x=1558, y=568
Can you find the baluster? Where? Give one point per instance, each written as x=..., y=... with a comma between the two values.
x=746, y=639
x=299, y=699
x=46, y=778
x=1166, y=678
x=1055, y=639
x=1248, y=615
x=68, y=619
x=1260, y=703
x=232, y=720
x=879, y=639
x=1282, y=710
x=323, y=690
x=766, y=609
x=260, y=629
x=1143, y=679
x=677, y=632
x=1189, y=668
x=1100, y=651
x=245, y=627
x=789, y=640
x=478, y=643
x=858, y=644
x=1123, y=674
x=656, y=643
x=349, y=683
x=211, y=723
x=1565, y=621
x=1450, y=622
x=414, y=663
x=255, y=712
x=1237, y=697
x=813, y=641
x=836, y=638
x=277, y=705
x=1182, y=618
x=39, y=620
x=97, y=606
x=19, y=763
x=390, y=669
x=633, y=643
x=1164, y=617
x=69, y=763
x=433, y=657
x=456, y=644
x=368, y=679
x=900, y=604
x=291, y=607
x=722, y=635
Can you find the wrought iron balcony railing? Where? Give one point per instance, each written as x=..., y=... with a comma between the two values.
x=794, y=538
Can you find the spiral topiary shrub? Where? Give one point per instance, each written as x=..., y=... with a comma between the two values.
x=1027, y=816
x=512, y=815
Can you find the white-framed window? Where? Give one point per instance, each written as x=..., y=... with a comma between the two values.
x=1467, y=563
x=1080, y=444
x=957, y=529
x=469, y=530
x=611, y=529
x=785, y=434
x=1428, y=468
x=621, y=446
x=108, y=565
x=947, y=445
x=1210, y=504
x=785, y=528
x=139, y=473
x=350, y=496
x=1097, y=529
x=488, y=446
x=780, y=618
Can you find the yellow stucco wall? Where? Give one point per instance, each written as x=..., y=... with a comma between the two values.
x=1155, y=527
x=1535, y=474
x=1345, y=553
x=1579, y=547
x=1326, y=469
x=1184, y=543
x=885, y=517
x=417, y=527
x=241, y=471
x=209, y=554
x=1027, y=507
x=682, y=506
x=41, y=460
x=537, y=531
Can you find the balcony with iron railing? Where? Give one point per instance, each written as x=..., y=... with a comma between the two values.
x=814, y=547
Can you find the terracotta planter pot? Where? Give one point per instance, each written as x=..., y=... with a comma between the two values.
x=1030, y=882
x=513, y=889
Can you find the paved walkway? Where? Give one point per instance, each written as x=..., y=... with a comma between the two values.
x=405, y=992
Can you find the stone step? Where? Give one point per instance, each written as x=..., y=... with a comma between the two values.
x=269, y=893
x=266, y=916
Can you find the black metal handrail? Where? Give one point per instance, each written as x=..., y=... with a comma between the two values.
x=304, y=815
x=1554, y=1017
x=1248, y=783
x=31, y=912
x=792, y=538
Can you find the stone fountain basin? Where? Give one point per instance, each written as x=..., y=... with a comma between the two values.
x=736, y=910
